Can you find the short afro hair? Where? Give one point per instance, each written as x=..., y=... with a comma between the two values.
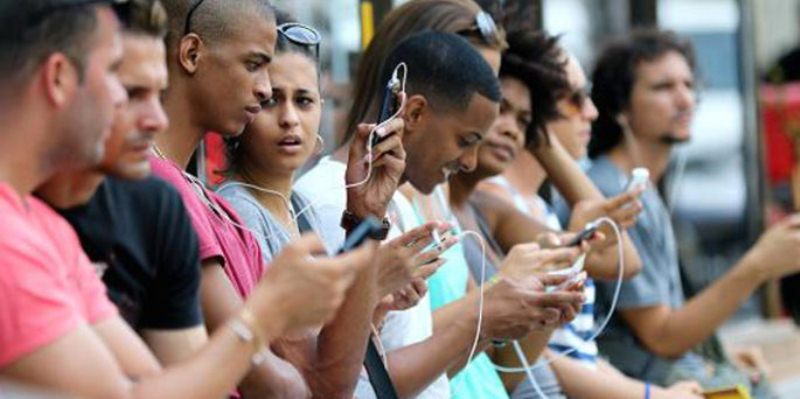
x=445, y=68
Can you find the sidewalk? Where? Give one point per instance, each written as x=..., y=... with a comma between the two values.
x=780, y=342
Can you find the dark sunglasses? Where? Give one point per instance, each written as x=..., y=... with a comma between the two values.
x=577, y=98
x=301, y=35
x=485, y=27
x=40, y=15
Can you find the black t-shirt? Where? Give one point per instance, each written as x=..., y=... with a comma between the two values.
x=142, y=234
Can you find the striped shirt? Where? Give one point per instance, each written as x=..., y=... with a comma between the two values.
x=573, y=337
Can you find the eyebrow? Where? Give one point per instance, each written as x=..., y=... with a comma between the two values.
x=262, y=57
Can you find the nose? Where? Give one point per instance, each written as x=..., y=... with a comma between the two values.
x=590, y=111
x=469, y=160
x=510, y=128
x=288, y=116
x=155, y=119
x=685, y=98
x=263, y=87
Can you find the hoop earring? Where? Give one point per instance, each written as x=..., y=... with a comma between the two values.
x=320, y=144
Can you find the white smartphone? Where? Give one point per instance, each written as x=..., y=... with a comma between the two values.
x=576, y=267
x=639, y=177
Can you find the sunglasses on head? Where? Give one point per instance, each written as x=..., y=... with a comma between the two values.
x=301, y=35
x=485, y=27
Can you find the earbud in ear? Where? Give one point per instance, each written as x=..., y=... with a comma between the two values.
x=622, y=120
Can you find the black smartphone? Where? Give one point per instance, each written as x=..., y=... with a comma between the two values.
x=584, y=235
x=389, y=106
x=369, y=227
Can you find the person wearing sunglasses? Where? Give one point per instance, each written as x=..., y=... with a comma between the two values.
x=535, y=63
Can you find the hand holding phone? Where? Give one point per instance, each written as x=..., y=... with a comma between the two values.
x=584, y=235
x=390, y=103
x=577, y=266
x=639, y=178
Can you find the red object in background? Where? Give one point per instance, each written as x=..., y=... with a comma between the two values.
x=215, y=158
x=780, y=108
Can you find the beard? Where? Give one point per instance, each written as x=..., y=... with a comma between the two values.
x=672, y=138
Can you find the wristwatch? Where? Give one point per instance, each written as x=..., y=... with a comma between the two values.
x=350, y=221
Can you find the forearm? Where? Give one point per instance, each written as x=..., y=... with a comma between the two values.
x=220, y=303
x=581, y=382
x=416, y=366
x=699, y=318
x=274, y=378
x=603, y=263
x=225, y=348
x=343, y=342
x=565, y=174
x=533, y=345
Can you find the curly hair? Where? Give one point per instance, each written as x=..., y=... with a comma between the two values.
x=535, y=58
x=615, y=74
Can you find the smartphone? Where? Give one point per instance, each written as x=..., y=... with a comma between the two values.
x=639, y=178
x=389, y=105
x=584, y=235
x=576, y=279
x=368, y=228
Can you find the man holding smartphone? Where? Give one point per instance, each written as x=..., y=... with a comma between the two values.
x=643, y=87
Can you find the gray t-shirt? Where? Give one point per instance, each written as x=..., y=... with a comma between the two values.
x=271, y=235
x=657, y=284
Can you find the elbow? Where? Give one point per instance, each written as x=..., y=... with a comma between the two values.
x=633, y=266
x=665, y=348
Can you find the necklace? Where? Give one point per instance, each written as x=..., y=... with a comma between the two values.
x=293, y=232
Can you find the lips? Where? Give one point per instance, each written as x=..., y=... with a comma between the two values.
x=290, y=144
x=252, y=111
x=503, y=150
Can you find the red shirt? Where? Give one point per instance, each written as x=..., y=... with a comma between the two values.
x=220, y=231
x=48, y=287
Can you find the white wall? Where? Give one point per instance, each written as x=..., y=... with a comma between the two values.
x=777, y=29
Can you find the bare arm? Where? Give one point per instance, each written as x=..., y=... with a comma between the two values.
x=575, y=186
x=343, y=342
x=95, y=371
x=414, y=367
x=581, y=382
x=274, y=377
x=671, y=332
x=173, y=346
x=533, y=345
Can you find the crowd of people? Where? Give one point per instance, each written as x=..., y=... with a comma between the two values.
x=127, y=276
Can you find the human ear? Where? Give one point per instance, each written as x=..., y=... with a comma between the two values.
x=414, y=112
x=189, y=52
x=60, y=79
